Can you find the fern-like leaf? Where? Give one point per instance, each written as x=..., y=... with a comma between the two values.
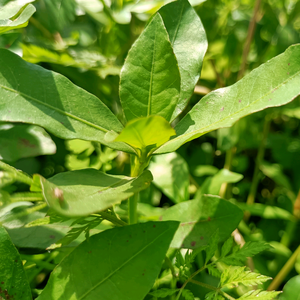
x=163, y=293
x=212, y=246
x=188, y=295
x=259, y=295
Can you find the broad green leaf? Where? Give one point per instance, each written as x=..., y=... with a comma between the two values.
x=171, y=175
x=150, y=79
x=20, y=140
x=233, y=276
x=265, y=211
x=83, y=192
x=146, y=133
x=213, y=184
x=292, y=289
x=120, y=263
x=260, y=295
x=199, y=219
x=212, y=246
x=274, y=83
x=38, y=96
x=188, y=39
x=13, y=281
x=15, y=15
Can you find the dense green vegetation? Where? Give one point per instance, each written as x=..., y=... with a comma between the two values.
x=124, y=174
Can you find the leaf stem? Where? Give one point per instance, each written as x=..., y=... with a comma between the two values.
x=284, y=271
x=113, y=219
x=19, y=175
x=208, y=286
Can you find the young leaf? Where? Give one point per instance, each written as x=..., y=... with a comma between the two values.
x=83, y=192
x=163, y=293
x=213, y=296
x=248, y=250
x=13, y=281
x=292, y=289
x=189, y=43
x=15, y=15
x=187, y=295
x=212, y=246
x=150, y=79
x=201, y=218
x=48, y=99
x=20, y=140
x=233, y=276
x=274, y=83
x=227, y=247
x=146, y=133
x=111, y=264
x=213, y=271
x=259, y=295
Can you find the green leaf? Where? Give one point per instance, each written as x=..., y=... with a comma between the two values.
x=188, y=39
x=13, y=281
x=83, y=192
x=227, y=247
x=146, y=133
x=187, y=295
x=292, y=289
x=260, y=295
x=248, y=250
x=212, y=246
x=233, y=276
x=15, y=15
x=48, y=99
x=20, y=140
x=150, y=79
x=163, y=293
x=171, y=175
x=201, y=218
x=116, y=264
x=274, y=83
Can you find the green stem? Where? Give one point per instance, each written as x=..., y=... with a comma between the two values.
x=113, y=219
x=260, y=156
x=132, y=209
x=19, y=175
x=208, y=286
x=286, y=269
x=43, y=264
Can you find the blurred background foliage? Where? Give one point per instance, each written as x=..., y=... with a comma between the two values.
x=255, y=163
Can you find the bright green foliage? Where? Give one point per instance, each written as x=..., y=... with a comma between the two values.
x=111, y=263
x=50, y=100
x=20, y=140
x=64, y=192
x=292, y=289
x=13, y=281
x=150, y=79
x=187, y=295
x=15, y=15
x=259, y=295
x=233, y=276
x=171, y=175
x=189, y=43
x=272, y=84
x=199, y=219
x=146, y=134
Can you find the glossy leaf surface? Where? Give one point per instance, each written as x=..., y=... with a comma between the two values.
x=150, y=79
x=48, y=99
x=199, y=219
x=20, y=140
x=15, y=15
x=13, y=281
x=146, y=132
x=83, y=192
x=274, y=83
x=171, y=175
x=189, y=43
x=120, y=263
x=291, y=290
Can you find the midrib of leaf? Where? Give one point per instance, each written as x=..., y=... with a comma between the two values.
x=151, y=77
x=121, y=266
x=228, y=116
x=177, y=28
x=54, y=108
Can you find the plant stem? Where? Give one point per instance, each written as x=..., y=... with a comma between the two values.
x=250, y=35
x=259, y=159
x=18, y=175
x=132, y=209
x=284, y=271
x=113, y=219
x=210, y=287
